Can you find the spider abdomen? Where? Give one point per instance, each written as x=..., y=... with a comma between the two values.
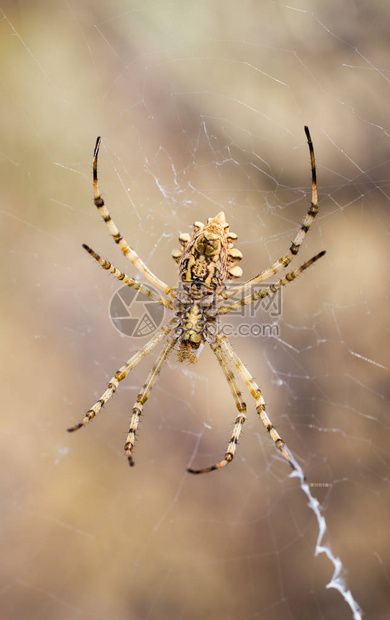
x=208, y=256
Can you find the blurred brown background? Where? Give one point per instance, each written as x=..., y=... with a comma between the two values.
x=201, y=107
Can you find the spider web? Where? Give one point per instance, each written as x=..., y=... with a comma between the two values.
x=201, y=108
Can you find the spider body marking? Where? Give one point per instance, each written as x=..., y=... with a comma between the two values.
x=206, y=263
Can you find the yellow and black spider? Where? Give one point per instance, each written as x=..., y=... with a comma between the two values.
x=206, y=262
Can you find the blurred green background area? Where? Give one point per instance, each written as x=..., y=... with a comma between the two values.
x=201, y=108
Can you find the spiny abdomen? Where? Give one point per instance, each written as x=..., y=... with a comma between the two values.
x=208, y=256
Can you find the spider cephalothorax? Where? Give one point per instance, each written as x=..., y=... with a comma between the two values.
x=206, y=263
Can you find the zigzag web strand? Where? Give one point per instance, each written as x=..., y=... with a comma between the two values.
x=337, y=582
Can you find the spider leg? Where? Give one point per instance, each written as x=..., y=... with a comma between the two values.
x=120, y=375
x=240, y=419
x=143, y=397
x=265, y=292
x=123, y=277
x=260, y=404
x=283, y=262
x=119, y=240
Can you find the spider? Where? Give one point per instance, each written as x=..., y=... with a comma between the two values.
x=206, y=262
